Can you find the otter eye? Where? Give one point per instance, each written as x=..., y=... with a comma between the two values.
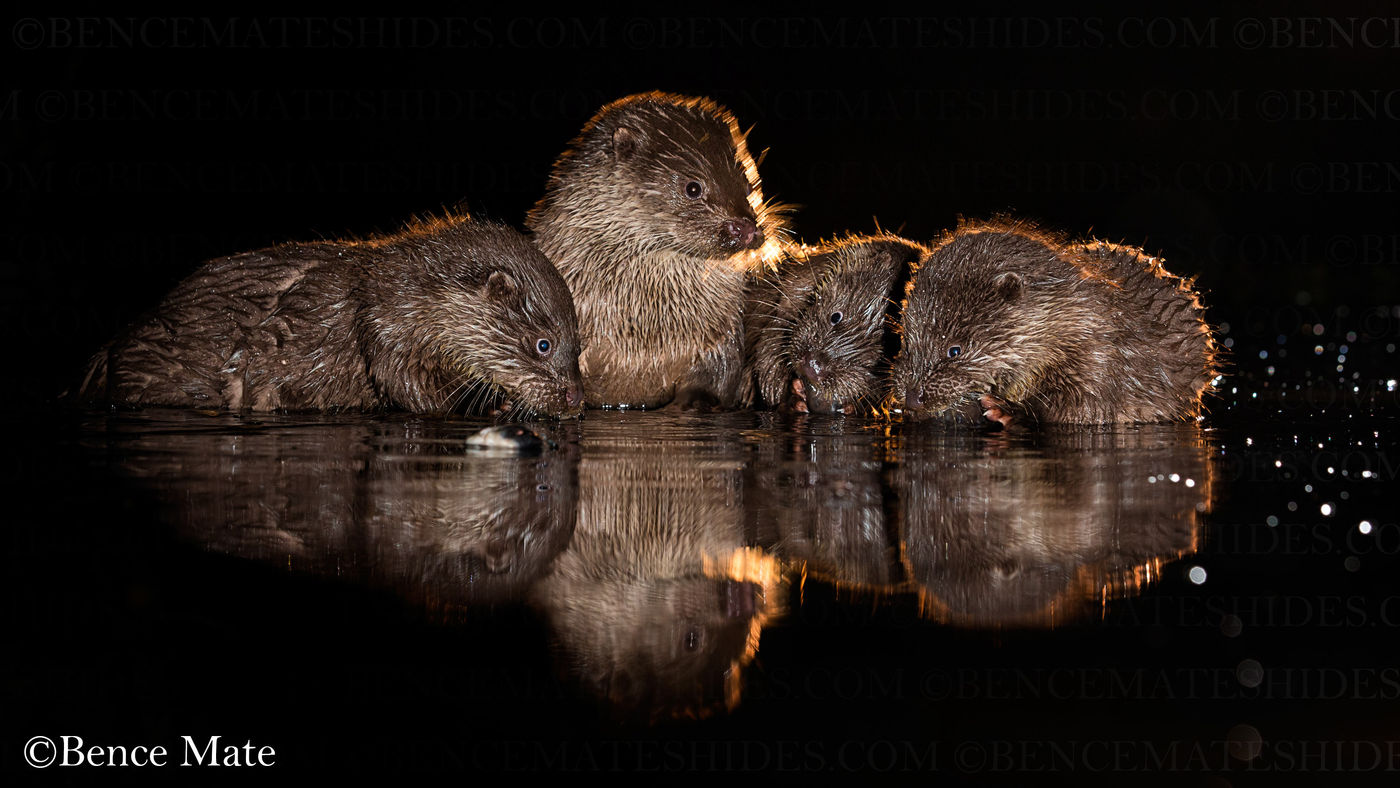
x=836, y=318
x=693, y=190
x=543, y=346
x=955, y=351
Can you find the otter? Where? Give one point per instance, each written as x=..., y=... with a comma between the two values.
x=1018, y=324
x=447, y=315
x=655, y=217
x=820, y=329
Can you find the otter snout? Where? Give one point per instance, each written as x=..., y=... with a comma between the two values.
x=920, y=404
x=573, y=402
x=813, y=369
x=741, y=233
x=913, y=399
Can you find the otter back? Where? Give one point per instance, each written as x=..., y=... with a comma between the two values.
x=436, y=318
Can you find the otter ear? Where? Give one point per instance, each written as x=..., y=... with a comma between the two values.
x=1008, y=285
x=625, y=141
x=500, y=287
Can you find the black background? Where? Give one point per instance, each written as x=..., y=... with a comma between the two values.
x=1254, y=147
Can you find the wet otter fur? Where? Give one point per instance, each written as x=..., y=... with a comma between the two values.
x=443, y=316
x=1020, y=325
x=655, y=217
x=821, y=329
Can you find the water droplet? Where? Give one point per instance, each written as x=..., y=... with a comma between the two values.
x=1326, y=510
x=1352, y=563
x=1271, y=521
x=1197, y=575
x=1231, y=626
x=1250, y=673
x=1244, y=743
x=1364, y=526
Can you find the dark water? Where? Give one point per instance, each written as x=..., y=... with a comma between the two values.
x=733, y=594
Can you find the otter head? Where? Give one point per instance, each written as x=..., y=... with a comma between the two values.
x=504, y=324
x=536, y=363
x=839, y=329
x=658, y=171
x=966, y=326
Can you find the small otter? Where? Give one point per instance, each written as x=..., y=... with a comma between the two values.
x=655, y=217
x=446, y=314
x=820, y=329
x=1013, y=322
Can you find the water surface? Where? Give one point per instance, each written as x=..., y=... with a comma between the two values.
x=716, y=592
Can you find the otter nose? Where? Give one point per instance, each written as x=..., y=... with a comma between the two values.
x=913, y=399
x=743, y=232
x=812, y=369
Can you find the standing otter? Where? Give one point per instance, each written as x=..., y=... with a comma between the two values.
x=655, y=217
x=820, y=330
x=447, y=313
x=1015, y=323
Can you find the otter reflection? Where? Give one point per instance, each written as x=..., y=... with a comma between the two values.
x=401, y=506
x=818, y=502
x=1040, y=536
x=658, y=601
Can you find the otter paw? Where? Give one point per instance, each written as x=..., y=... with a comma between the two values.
x=996, y=410
x=798, y=402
